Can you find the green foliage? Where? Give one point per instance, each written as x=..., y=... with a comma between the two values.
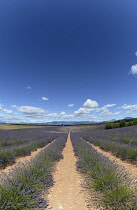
x=121, y=123
x=118, y=196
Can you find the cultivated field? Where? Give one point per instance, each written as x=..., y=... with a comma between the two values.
x=68, y=167
x=11, y=127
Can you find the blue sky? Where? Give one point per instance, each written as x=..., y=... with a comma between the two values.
x=68, y=60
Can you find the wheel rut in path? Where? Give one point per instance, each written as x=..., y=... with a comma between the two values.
x=67, y=192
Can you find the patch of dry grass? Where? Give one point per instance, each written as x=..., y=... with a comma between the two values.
x=11, y=127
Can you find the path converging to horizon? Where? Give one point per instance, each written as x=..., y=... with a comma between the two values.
x=67, y=192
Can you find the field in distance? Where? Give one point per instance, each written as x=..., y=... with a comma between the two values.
x=12, y=126
x=72, y=128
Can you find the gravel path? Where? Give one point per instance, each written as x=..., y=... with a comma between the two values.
x=67, y=192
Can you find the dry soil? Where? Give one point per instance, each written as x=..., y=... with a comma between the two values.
x=67, y=192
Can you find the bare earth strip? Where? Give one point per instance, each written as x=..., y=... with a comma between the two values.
x=67, y=192
x=23, y=159
x=129, y=168
x=12, y=127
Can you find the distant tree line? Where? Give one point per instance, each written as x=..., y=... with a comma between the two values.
x=121, y=123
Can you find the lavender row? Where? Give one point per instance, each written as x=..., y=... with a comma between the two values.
x=122, y=151
x=107, y=141
x=21, y=189
x=18, y=137
x=9, y=154
x=127, y=135
x=104, y=176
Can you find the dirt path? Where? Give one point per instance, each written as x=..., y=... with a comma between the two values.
x=67, y=192
x=23, y=159
x=129, y=168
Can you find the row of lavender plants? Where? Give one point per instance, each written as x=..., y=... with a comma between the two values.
x=22, y=187
x=8, y=154
x=122, y=142
x=18, y=137
x=104, y=176
x=127, y=135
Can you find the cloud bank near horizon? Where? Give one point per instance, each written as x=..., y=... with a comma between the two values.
x=90, y=111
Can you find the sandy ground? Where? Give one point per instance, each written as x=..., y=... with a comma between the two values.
x=23, y=159
x=67, y=192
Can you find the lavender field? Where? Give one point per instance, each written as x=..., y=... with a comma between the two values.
x=17, y=143
x=22, y=187
x=122, y=142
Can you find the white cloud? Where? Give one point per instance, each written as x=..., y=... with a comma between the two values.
x=45, y=99
x=10, y=119
x=133, y=69
x=70, y=105
x=135, y=114
x=53, y=115
x=31, y=112
x=89, y=104
x=13, y=106
x=7, y=111
x=104, y=107
x=106, y=112
x=125, y=106
x=117, y=113
x=1, y=107
x=131, y=111
x=109, y=105
x=132, y=108
x=63, y=113
x=136, y=53
x=28, y=88
x=68, y=117
x=81, y=112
